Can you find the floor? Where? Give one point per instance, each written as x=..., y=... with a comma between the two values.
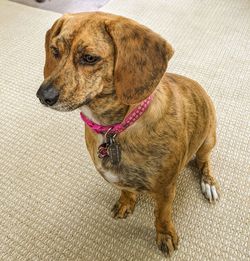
x=64, y=6
x=54, y=206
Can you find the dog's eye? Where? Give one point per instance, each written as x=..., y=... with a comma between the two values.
x=55, y=51
x=89, y=59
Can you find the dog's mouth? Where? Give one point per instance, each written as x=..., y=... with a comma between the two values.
x=65, y=107
x=50, y=97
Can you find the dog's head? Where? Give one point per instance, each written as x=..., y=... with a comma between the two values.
x=91, y=54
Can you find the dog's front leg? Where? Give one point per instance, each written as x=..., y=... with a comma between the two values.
x=125, y=205
x=166, y=237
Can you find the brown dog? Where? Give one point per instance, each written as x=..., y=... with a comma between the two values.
x=106, y=65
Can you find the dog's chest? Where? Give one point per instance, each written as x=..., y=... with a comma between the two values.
x=129, y=173
x=107, y=173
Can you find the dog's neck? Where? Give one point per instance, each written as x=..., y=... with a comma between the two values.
x=105, y=110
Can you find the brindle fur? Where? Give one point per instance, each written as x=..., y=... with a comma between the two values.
x=179, y=123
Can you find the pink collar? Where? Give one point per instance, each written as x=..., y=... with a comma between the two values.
x=133, y=116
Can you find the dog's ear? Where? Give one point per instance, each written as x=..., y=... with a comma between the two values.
x=141, y=59
x=50, y=62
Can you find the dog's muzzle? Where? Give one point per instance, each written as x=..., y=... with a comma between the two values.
x=47, y=94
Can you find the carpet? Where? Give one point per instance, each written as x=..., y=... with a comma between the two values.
x=55, y=206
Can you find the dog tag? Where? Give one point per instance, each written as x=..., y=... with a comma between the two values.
x=114, y=151
x=102, y=151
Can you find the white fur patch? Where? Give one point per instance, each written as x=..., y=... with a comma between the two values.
x=86, y=111
x=110, y=177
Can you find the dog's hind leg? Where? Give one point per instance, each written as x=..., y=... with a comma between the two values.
x=209, y=185
x=125, y=204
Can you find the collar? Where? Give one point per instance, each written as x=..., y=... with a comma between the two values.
x=117, y=128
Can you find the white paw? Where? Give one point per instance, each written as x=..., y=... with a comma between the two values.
x=210, y=192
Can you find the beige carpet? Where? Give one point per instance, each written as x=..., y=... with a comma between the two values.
x=53, y=204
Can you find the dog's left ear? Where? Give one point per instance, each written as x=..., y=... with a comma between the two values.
x=141, y=59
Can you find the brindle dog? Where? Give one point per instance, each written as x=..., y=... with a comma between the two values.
x=106, y=65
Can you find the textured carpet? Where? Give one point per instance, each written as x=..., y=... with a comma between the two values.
x=55, y=206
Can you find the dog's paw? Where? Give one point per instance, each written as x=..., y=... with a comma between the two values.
x=210, y=190
x=122, y=210
x=167, y=243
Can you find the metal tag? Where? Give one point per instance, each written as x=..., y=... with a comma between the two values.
x=114, y=151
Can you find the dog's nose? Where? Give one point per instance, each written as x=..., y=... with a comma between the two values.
x=48, y=95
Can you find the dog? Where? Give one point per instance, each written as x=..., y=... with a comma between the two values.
x=114, y=70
